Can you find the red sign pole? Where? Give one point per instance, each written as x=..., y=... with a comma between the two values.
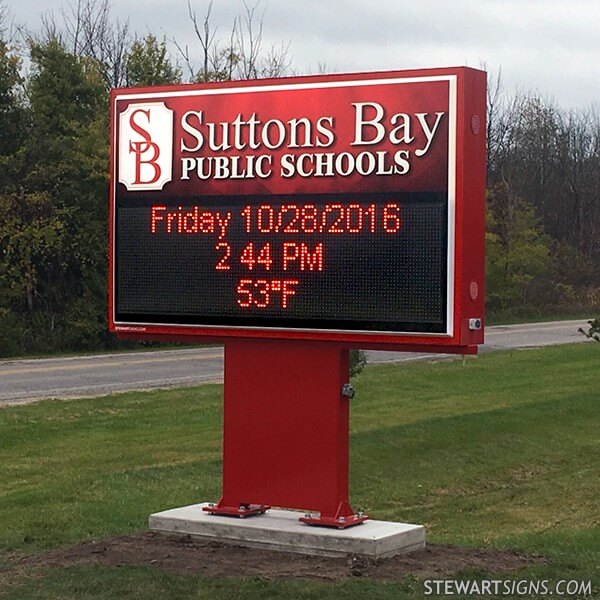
x=286, y=430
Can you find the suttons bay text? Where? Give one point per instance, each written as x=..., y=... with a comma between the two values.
x=208, y=149
x=278, y=250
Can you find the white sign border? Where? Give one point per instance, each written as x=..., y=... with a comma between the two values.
x=451, y=248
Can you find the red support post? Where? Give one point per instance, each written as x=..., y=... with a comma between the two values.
x=286, y=430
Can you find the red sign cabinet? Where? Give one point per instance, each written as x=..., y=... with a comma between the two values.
x=292, y=220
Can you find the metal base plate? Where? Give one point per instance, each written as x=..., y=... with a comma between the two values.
x=337, y=523
x=243, y=511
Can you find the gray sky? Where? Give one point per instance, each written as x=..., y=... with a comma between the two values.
x=552, y=46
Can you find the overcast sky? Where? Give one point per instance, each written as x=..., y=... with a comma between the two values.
x=552, y=46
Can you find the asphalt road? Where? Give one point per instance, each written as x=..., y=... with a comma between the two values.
x=94, y=375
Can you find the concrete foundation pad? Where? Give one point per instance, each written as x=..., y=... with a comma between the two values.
x=281, y=530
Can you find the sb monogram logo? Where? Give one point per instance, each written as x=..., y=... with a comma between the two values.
x=146, y=146
x=141, y=149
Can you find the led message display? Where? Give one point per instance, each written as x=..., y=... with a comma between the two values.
x=322, y=206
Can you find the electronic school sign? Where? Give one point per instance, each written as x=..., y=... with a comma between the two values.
x=346, y=208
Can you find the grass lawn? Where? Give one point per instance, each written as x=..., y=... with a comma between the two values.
x=501, y=451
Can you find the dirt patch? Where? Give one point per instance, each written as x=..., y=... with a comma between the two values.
x=185, y=555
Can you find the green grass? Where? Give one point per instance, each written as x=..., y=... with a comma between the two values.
x=502, y=451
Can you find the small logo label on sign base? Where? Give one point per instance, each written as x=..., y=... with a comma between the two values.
x=146, y=146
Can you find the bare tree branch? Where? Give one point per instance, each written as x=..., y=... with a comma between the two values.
x=205, y=36
x=249, y=40
x=185, y=55
x=72, y=17
x=277, y=61
x=88, y=30
x=241, y=56
x=49, y=29
x=3, y=19
x=9, y=30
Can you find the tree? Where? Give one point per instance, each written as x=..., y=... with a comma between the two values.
x=579, y=152
x=551, y=158
x=52, y=225
x=68, y=102
x=593, y=333
x=13, y=116
x=518, y=251
x=148, y=64
x=87, y=29
x=31, y=238
x=241, y=56
x=358, y=360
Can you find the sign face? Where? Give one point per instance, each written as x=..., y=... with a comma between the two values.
x=346, y=208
